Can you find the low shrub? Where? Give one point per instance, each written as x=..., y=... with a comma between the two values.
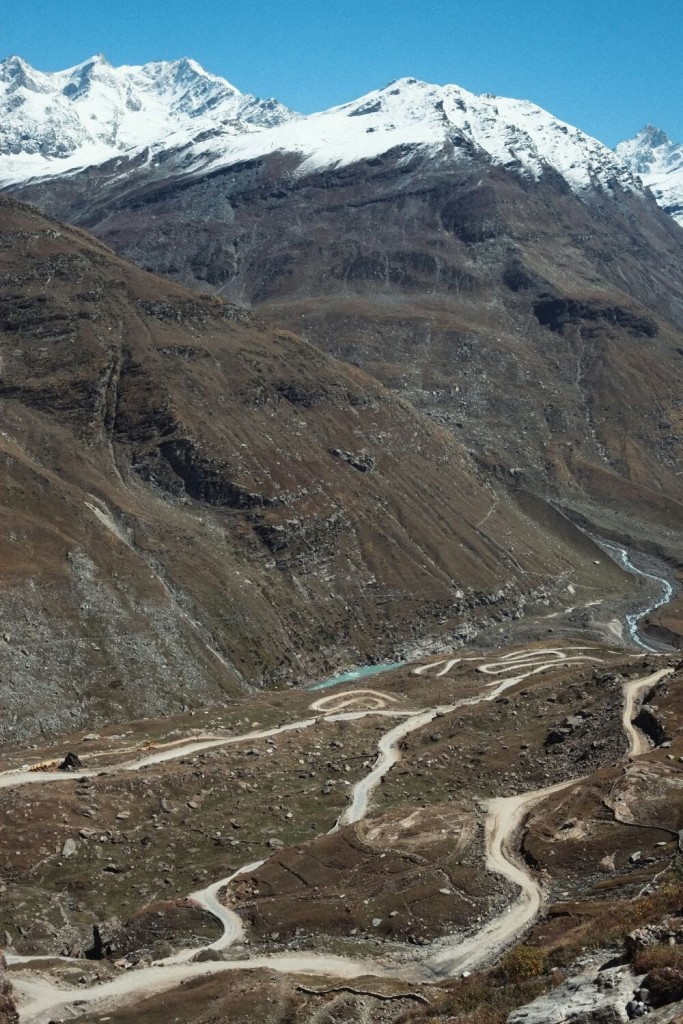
x=665, y=985
x=654, y=957
x=521, y=963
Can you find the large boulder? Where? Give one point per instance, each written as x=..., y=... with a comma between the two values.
x=593, y=997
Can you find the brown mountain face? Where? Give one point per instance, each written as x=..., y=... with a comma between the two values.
x=193, y=500
x=543, y=329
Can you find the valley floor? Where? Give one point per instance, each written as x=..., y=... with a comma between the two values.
x=405, y=834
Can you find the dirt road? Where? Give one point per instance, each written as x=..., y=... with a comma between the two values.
x=38, y=999
x=638, y=741
x=389, y=753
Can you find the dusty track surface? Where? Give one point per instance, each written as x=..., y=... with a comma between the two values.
x=524, y=664
x=174, y=751
x=638, y=742
x=504, y=818
x=362, y=700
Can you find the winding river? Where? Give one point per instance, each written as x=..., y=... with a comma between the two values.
x=633, y=619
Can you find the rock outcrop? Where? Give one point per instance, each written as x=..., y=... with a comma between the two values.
x=594, y=997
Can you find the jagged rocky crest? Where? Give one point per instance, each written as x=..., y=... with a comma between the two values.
x=659, y=163
x=93, y=112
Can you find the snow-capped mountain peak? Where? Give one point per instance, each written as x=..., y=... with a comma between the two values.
x=651, y=150
x=59, y=122
x=54, y=122
x=659, y=162
x=446, y=120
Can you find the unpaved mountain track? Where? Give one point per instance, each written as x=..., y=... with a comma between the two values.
x=170, y=752
x=389, y=745
x=445, y=958
x=207, y=899
x=336, y=701
x=638, y=741
x=503, y=821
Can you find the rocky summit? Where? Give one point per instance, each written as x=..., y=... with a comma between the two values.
x=659, y=164
x=340, y=671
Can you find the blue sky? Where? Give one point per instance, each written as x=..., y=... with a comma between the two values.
x=608, y=66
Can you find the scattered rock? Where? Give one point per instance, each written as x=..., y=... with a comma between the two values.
x=363, y=462
x=70, y=763
x=557, y=736
x=207, y=955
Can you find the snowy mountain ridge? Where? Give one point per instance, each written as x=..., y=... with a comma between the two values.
x=181, y=116
x=60, y=121
x=659, y=163
x=513, y=133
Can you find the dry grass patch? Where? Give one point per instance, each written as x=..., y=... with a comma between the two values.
x=653, y=958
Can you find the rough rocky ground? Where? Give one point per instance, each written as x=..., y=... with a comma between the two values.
x=122, y=849
x=8, y=1014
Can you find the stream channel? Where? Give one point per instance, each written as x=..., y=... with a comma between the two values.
x=621, y=556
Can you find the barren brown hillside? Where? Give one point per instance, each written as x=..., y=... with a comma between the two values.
x=194, y=501
x=543, y=327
